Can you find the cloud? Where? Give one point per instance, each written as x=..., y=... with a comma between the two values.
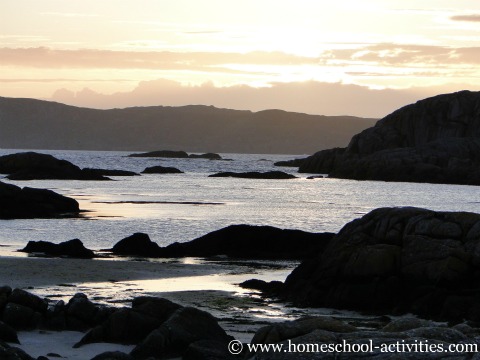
x=470, y=18
x=307, y=97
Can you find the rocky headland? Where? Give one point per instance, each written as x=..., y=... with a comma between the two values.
x=435, y=140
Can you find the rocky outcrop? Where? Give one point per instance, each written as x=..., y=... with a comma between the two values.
x=177, y=155
x=235, y=241
x=397, y=260
x=435, y=140
x=161, y=170
x=35, y=166
x=290, y=163
x=17, y=203
x=280, y=175
x=72, y=248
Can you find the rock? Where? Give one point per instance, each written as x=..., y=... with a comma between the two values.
x=80, y=312
x=435, y=140
x=406, y=323
x=138, y=244
x=22, y=297
x=35, y=166
x=236, y=241
x=289, y=163
x=19, y=317
x=396, y=260
x=113, y=355
x=177, y=155
x=8, y=352
x=272, y=287
x=124, y=326
x=161, y=170
x=72, y=248
x=162, y=154
x=208, y=350
x=269, y=175
x=252, y=242
x=8, y=334
x=110, y=172
x=209, y=156
x=186, y=326
x=18, y=203
x=158, y=308
x=291, y=329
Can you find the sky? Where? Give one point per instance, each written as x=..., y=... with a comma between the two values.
x=343, y=57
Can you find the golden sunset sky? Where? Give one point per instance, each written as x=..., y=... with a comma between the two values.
x=355, y=57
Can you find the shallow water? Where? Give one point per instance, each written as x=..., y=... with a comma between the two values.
x=181, y=207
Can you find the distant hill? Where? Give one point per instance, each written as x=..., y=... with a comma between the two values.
x=36, y=124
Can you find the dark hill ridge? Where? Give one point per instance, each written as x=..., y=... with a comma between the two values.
x=29, y=123
x=435, y=140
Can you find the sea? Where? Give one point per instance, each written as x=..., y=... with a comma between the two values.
x=181, y=207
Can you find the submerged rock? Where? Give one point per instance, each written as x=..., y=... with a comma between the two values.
x=17, y=203
x=110, y=172
x=397, y=260
x=256, y=175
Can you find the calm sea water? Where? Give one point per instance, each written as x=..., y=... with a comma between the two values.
x=168, y=215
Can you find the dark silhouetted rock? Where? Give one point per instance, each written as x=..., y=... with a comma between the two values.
x=125, y=326
x=72, y=248
x=397, y=260
x=81, y=313
x=158, y=308
x=236, y=241
x=269, y=175
x=290, y=163
x=138, y=244
x=8, y=334
x=34, y=203
x=35, y=166
x=208, y=350
x=435, y=140
x=113, y=355
x=161, y=170
x=252, y=242
x=22, y=297
x=209, y=156
x=19, y=317
x=186, y=326
x=272, y=287
x=163, y=154
x=110, y=172
x=8, y=352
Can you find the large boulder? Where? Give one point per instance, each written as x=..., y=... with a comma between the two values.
x=34, y=203
x=397, y=260
x=35, y=166
x=71, y=248
x=435, y=140
x=186, y=326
